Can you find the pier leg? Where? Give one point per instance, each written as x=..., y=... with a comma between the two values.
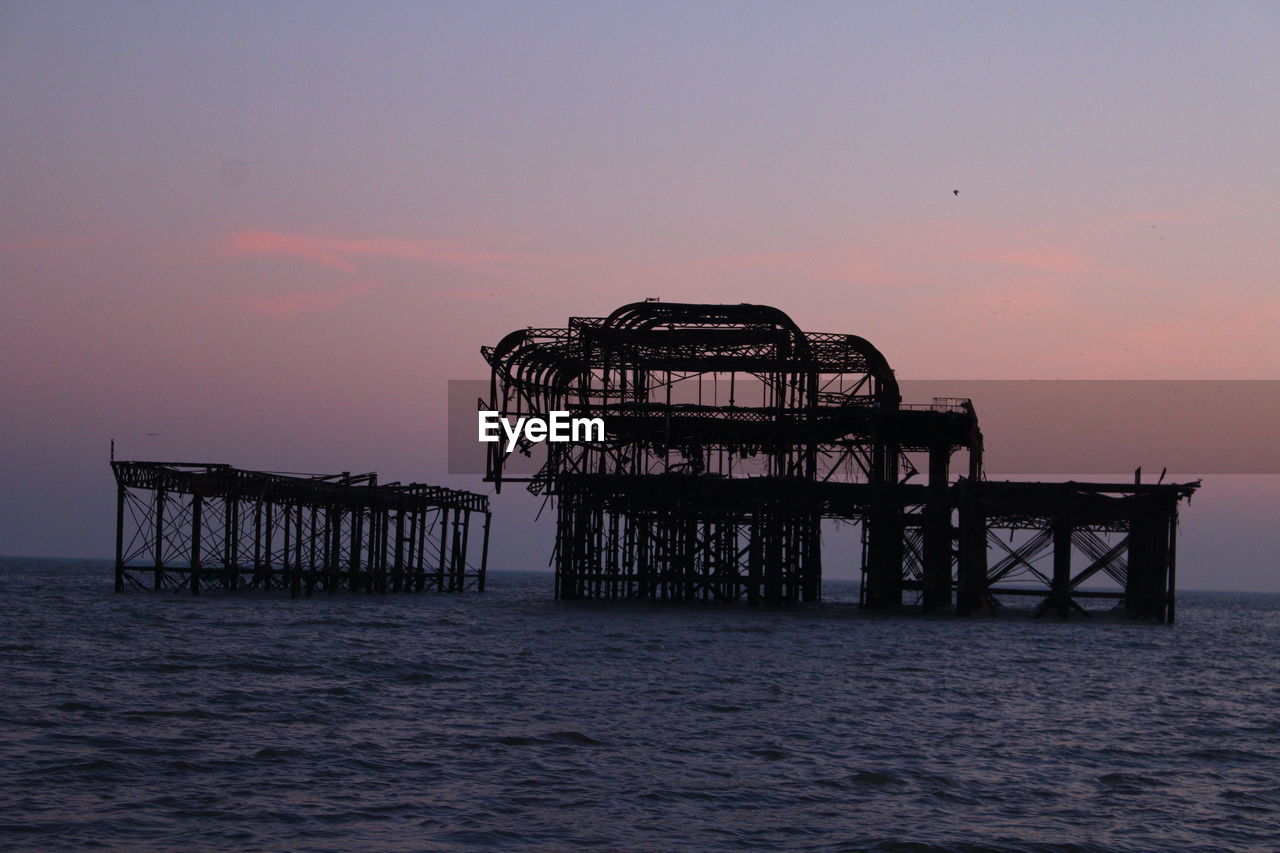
x=357, y=547
x=884, y=529
x=120, y=538
x=268, y=531
x=1149, y=585
x=230, y=521
x=197, y=507
x=812, y=589
x=1060, y=594
x=484, y=555
x=444, y=548
x=420, y=562
x=937, y=533
x=884, y=557
x=461, y=583
x=772, y=529
x=1171, y=587
x=157, y=580
x=295, y=575
x=397, y=569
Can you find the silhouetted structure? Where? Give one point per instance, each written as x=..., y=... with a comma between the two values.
x=188, y=526
x=731, y=434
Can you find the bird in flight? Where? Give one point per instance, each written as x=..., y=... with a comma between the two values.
x=955, y=192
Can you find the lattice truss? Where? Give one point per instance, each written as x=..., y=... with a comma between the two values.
x=184, y=527
x=1082, y=540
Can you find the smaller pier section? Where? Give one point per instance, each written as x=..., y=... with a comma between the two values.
x=1068, y=542
x=192, y=527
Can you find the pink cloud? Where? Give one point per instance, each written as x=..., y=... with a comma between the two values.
x=489, y=268
x=327, y=252
x=1044, y=260
x=345, y=253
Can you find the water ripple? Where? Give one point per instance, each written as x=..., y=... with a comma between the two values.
x=509, y=721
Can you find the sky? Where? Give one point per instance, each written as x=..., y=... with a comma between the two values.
x=271, y=233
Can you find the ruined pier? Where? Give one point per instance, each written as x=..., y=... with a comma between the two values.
x=191, y=527
x=732, y=435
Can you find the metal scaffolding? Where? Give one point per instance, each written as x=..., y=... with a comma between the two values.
x=193, y=527
x=1067, y=538
x=731, y=434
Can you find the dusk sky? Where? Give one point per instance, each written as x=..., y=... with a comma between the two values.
x=271, y=233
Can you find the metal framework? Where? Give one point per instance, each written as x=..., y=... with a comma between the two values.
x=1066, y=538
x=191, y=527
x=731, y=434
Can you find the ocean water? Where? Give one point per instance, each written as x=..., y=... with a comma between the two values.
x=509, y=721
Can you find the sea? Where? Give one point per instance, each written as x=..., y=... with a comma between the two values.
x=509, y=721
